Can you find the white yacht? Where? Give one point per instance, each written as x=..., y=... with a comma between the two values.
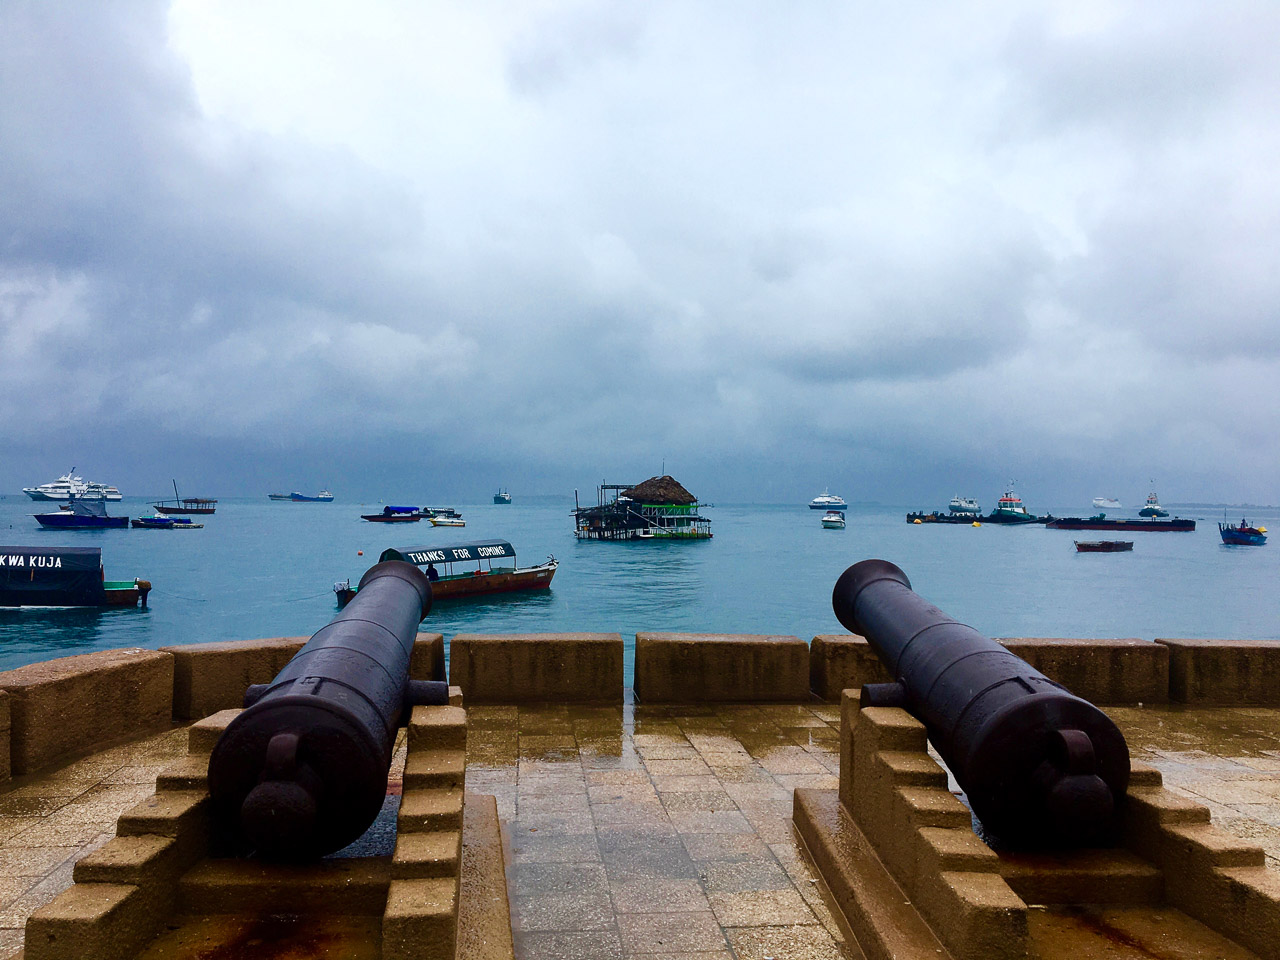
x=1106, y=503
x=833, y=520
x=68, y=487
x=827, y=502
x=964, y=505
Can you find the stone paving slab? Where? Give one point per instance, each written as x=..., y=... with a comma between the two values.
x=656, y=832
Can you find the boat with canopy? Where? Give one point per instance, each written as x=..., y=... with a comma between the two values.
x=63, y=577
x=466, y=569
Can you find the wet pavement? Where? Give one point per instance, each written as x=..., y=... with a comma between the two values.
x=659, y=832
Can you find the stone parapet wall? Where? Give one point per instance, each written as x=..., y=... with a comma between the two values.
x=209, y=677
x=715, y=667
x=1229, y=672
x=62, y=708
x=59, y=709
x=537, y=667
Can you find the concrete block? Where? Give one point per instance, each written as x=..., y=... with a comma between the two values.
x=65, y=707
x=187, y=774
x=843, y=662
x=421, y=920
x=431, y=853
x=484, y=909
x=203, y=735
x=435, y=768
x=167, y=815
x=1113, y=876
x=105, y=921
x=1100, y=671
x=354, y=886
x=976, y=916
x=1231, y=672
x=209, y=677
x=430, y=810
x=438, y=727
x=702, y=667
x=136, y=860
x=538, y=667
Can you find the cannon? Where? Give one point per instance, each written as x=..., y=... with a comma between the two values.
x=1040, y=766
x=302, y=771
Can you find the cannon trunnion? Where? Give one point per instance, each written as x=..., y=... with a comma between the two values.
x=303, y=770
x=1040, y=766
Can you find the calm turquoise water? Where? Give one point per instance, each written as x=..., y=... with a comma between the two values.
x=263, y=569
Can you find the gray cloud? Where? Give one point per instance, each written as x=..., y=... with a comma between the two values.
x=1035, y=241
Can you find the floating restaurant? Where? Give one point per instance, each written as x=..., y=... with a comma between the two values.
x=658, y=509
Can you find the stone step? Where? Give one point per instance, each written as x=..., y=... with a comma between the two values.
x=428, y=853
x=438, y=728
x=353, y=887
x=437, y=809
x=433, y=768
x=1113, y=876
x=189, y=773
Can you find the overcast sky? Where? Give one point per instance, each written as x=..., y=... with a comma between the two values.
x=411, y=249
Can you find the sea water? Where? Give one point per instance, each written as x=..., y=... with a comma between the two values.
x=261, y=568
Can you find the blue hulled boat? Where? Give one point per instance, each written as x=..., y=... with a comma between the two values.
x=1242, y=535
x=83, y=515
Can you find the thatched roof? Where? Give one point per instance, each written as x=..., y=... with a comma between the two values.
x=660, y=490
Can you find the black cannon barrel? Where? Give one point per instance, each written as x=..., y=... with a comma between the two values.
x=1039, y=765
x=302, y=771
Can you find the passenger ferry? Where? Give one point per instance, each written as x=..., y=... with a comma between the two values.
x=827, y=501
x=68, y=487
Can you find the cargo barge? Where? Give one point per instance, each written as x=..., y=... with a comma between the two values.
x=1176, y=524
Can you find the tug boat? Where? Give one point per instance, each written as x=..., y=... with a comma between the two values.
x=462, y=581
x=1009, y=509
x=1243, y=535
x=1153, y=508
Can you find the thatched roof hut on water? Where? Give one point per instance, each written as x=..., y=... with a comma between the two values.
x=660, y=508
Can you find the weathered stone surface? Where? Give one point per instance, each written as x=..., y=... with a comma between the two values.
x=421, y=920
x=63, y=707
x=1100, y=671
x=718, y=667
x=209, y=677
x=530, y=667
x=1230, y=672
x=843, y=662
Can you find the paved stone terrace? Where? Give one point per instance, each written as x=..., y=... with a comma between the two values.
x=656, y=832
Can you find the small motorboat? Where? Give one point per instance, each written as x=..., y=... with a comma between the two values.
x=448, y=522
x=833, y=520
x=162, y=522
x=394, y=515
x=1103, y=546
x=449, y=582
x=1243, y=535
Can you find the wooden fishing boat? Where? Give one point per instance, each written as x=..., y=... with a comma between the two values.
x=1243, y=535
x=63, y=577
x=449, y=568
x=178, y=504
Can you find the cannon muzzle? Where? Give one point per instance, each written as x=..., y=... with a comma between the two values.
x=1040, y=766
x=302, y=771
